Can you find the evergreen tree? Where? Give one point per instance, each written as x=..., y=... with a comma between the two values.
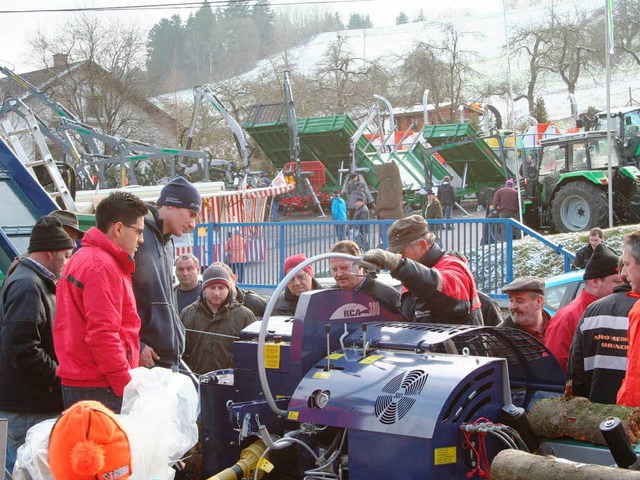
x=165, y=46
x=402, y=18
x=264, y=19
x=358, y=21
x=540, y=111
x=420, y=17
x=238, y=9
x=200, y=45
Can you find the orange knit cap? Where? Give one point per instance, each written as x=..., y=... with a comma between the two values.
x=88, y=442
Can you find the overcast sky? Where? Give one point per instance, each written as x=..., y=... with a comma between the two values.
x=18, y=28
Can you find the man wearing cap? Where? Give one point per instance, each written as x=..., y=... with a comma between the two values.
x=302, y=282
x=29, y=386
x=214, y=322
x=629, y=393
x=526, y=302
x=69, y=221
x=439, y=287
x=96, y=328
x=338, y=213
x=162, y=333
x=600, y=277
x=447, y=196
x=598, y=356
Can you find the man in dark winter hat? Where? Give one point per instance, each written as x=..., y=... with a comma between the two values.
x=29, y=387
x=214, y=322
x=601, y=276
x=302, y=282
x=162, y=333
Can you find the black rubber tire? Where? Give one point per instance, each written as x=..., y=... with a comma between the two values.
x=579, y=206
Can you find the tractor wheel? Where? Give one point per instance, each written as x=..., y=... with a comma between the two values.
x=579, y=206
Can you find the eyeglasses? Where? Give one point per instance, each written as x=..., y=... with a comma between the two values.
x=139, y=231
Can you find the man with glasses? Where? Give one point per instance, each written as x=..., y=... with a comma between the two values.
x=96, y=327
x=162, y=334
x=302, y=282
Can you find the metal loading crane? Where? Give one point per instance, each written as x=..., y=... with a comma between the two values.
x=202, y=92
x=301, y=177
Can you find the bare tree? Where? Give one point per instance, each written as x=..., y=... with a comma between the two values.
x=111, y=79
x=443, y=67
x=532, y=42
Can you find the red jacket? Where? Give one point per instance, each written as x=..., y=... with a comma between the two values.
x=629, y=393
x=96, y=326
x=564, y=323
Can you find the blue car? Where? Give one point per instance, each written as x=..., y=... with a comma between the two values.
x=561, y=289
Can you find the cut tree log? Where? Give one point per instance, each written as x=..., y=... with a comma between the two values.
x=578, y=418
x=519, y=465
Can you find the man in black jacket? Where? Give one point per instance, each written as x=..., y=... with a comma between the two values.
x=583, y=254
x=29, y=387
x=447, y=197
x=162, y=334
x=303, y=282
x=350, y=276
x=598, y=356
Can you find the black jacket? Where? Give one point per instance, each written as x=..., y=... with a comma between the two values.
x=583, y=255
x=161, y=327
x=28, y=381
x=254, y=302
x=441, y=289
x=598, y=355
x=447, y=194
x=287, y=301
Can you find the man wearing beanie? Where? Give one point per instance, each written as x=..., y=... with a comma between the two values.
x=29, y=387
x=162, y=333
x=302, y=282
x=601, y=276
x=96, y=328
x=214, y=322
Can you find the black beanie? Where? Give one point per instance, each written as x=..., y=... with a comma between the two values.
x=602, y=263
x=180, y=193
x=48, y=235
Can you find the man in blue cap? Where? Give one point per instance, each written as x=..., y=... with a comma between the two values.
x=162, y=334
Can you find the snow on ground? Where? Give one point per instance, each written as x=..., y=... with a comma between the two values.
x=484, y=35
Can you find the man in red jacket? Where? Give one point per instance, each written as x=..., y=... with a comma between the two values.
x=96, y=326
x=600, y=278
x=629, y=393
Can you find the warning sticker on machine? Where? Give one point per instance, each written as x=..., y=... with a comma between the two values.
x=370, y=359
x=444, y=456
x=336, y=356
x=322, y=375
x=272, y=355
x=293, y=415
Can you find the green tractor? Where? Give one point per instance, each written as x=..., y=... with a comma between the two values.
x=570, y=191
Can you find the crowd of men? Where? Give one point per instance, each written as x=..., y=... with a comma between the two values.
x=74, y=321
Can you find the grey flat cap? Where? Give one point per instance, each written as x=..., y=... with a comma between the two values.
x=525, y=284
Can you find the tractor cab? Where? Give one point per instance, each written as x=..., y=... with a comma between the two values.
x=570, y=191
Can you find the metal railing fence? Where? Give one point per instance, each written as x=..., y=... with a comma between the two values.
x=486, y=243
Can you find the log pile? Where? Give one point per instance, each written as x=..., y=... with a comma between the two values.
x=578, y=418
x=518, y=465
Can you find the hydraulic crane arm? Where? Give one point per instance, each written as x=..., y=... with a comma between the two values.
x=204, y=92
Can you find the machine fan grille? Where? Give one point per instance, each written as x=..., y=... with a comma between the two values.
x=397, y=400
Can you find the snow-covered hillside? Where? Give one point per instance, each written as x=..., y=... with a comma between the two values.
x=485, y=36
